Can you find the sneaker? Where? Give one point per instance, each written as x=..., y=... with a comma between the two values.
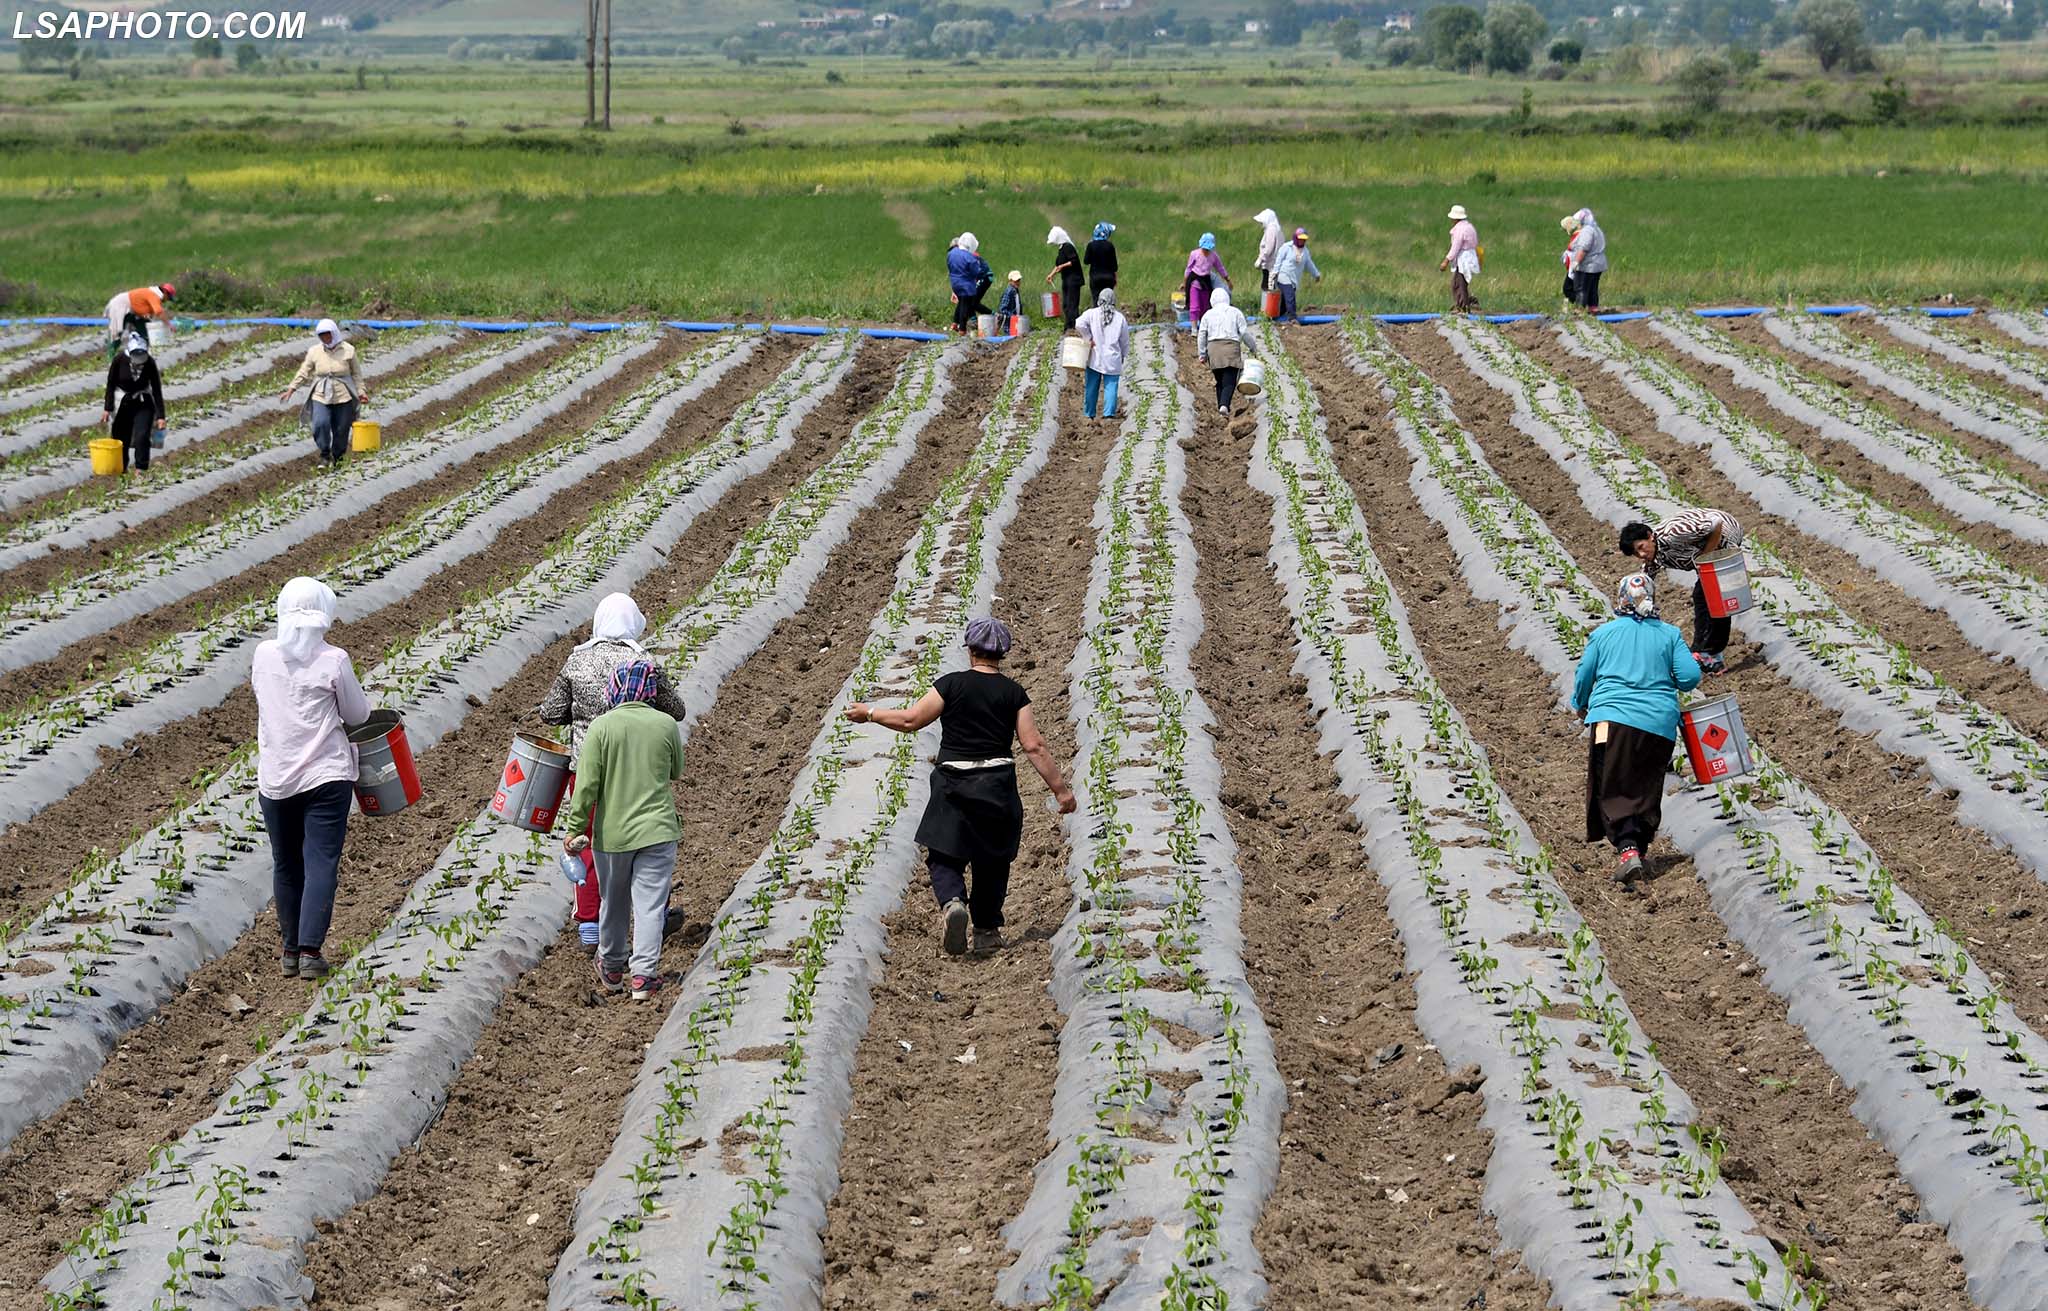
x=312, y=965
x=1630, y=865
x=288, y=964
x=1223, y=410
x=987, y=941
x=954, y=939
x=645, y=986
x=610, y=980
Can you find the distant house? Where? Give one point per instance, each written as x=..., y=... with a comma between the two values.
x=882, y=19
x=1112, y=4
x=816, y=22
x=846, y=15
x=1997, y=6
x=1401, y=22
x=1252, y=26
x=1628, y=11
x=336, y=22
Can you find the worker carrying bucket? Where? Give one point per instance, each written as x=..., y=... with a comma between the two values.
x=1710, y=542
x=1629, y=678
x=306, y=769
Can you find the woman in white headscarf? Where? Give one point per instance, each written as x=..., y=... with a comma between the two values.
x=582, y=692
x=1269, y=246
x=1221, y=340
x=306, y=695
x=337, y=393
x=1066, y=266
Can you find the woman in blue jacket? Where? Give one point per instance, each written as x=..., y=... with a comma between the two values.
x=970, y=276
x=1634, y=667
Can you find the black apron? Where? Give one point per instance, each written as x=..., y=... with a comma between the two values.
x=1625, y=780
x=974, y=814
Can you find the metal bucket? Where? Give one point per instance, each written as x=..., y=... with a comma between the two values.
x=1253, y=380
x=1270, y=304
x=530, y=790
x=364, y=435
x=1724, y=582
x=1050, y=304
x=1074, y=352
x=1715, y=740
x=159, y=335
x=387, y=781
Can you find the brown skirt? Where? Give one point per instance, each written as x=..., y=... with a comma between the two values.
x=1625, y=783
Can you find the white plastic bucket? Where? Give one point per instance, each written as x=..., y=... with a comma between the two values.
x=1253, y=380
x=530, y=790
x=1050, y=302
x=984, y=325
x=1724, y=582
x=159, y=335
x=1074, y=352
x=1715, y=740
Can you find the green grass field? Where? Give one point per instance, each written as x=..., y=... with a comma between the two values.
x=728, y=191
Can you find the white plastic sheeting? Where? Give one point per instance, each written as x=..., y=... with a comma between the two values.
x=2019, y=368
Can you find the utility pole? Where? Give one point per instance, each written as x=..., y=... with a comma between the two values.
x=607, y=62
x=590, y=63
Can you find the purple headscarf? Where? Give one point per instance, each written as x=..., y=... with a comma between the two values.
x=635, y=680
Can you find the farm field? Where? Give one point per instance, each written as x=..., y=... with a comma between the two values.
x=1320, y=999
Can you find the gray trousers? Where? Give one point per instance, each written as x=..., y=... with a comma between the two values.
x=634, y=886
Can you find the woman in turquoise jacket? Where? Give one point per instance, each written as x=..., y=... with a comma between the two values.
x=1627, y=689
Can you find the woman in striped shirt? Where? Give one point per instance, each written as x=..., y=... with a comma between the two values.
x=1678, y=543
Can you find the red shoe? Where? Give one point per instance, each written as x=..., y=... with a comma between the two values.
x=1630, y=865
x=645, y=986
x=610, y=980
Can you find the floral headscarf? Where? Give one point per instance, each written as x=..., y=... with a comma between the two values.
x=1635, y=598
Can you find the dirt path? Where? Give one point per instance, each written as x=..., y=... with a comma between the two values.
x=938, y=1155
x=1953, y=870
x=534, y=1112
x=1795, y=1147
x=141, y=533
x=139, y=783
x=1839, y=458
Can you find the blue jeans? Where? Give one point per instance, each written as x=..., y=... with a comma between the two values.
x=1287, y=311
x=1106, y=384
x=305, y=860
x=331, y=424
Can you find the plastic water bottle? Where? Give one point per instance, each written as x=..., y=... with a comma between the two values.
x=572, y=868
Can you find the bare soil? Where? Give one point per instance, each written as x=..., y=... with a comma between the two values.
x=929, y=1139
x=1721, y=1033
x=1382, y=1164
x=533, y=1115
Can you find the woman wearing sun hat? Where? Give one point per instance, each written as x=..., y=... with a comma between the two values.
x=975, y=817
x=1462, y=260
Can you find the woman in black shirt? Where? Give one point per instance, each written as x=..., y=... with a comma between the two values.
x=133, y=374
x=1066, y=266
x=1100, y=257
x=975, y=817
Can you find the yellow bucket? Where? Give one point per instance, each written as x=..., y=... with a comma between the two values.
x=106, y=456
x=365, y=436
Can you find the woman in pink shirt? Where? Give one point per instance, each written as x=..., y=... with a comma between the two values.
x=306, y=693
x=1462, y=260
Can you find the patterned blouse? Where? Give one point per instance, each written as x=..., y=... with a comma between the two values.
x=582, y=691
x=1681, y=537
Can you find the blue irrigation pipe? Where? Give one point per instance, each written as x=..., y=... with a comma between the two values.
x=1740, y=313
x=1314, y=319
x=1626, y=316
x=1837, y=311
x=691, y=325
x=387, y=325
x=599, y=327
x=1407, y=318
x=903, y=334
x=1949, y=311
x=803, y=329
x=1512, y=318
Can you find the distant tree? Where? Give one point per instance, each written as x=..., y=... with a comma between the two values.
x=1511, y=32
x=1702, y=82
x=1888, y=103
x=1834, y=28
x=247, y=56
x=1742, y=61
x=206, y=47
x=555, y=49
x=1450, y=36
x=1198, y=32
x=458, y=49
x=1399, y=50
x=1344, y=36
x=1283, y=23
x=2022, y=22
x=1567, y=50
x=964, y=36
x=362, y=22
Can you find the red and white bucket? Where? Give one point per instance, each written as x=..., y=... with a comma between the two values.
x=387, y=781
x=1715, y=740
x=531, y=788
x=1270, y=304
x=1049, y=304
x=1724, y=582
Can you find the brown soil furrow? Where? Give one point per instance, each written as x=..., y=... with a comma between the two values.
x=1865, y=329
x=1840, y=458
x=1377, y=1201
x=954, y=1145
x=1928, y=633
x=1953, y=870
x=533, y=1114
x=34, y=575
x=1793, y=1139
x=137, y=785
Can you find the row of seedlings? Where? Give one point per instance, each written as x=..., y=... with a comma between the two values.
x=83, y=512
x=1164, y=1148
x=35, y=625
x=30, y=349
x=1949, y=1079
x=2029, y=329
x=128, y=930
x=53, y=743
x=1959, y=401
x=1977, y=491
x=1602, y=1175
x=54, y=430
x=759, y=1047
x=370, y=1060
x=71, y=380
x=1999, y=773
x=2015, y=366
x=1999, y=609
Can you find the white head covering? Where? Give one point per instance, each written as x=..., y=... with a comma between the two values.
x=1457, y=213
x=1267, y=217
x=305, y=611
x=969, y=242
x=1220, y=299
x=1585, y=216
x=1058, y=237
x=325, y=326
x=137, y=344
x=617, y=619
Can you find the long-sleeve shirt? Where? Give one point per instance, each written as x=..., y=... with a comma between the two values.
x=630, y=756
x=582, y=691
x=1223, y=323
x=1205, y=266
x=1100, y=257
x=1067, y=261
x=1632, y=672
x=144, y=386
x=1464, y=237
x=1269, y=246
x=1682, y=537
x=1011, y=303
x=336, y=379
x=967, y=272
x=1109, y=339
x=1291, y=263
x=302, y=709
x=1588, y=251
